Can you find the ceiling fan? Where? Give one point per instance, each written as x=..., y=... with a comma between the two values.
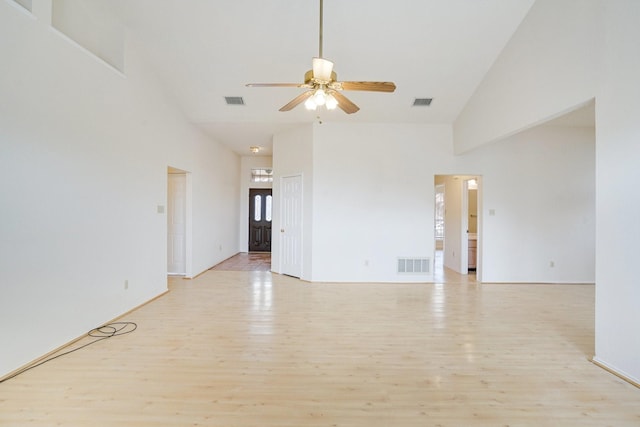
x=323, y=85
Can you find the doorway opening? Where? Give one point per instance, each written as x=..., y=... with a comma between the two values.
x=457, y=225
x=471, y=193
x=178, y=222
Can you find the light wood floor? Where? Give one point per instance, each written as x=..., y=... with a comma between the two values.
x=246, y=261
x=258, y=349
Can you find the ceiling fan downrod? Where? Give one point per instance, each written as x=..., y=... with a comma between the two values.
x=320, y=32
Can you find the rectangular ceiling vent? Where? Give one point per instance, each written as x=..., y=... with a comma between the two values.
x=234, y=100
x=414, y=265
x=422, y=102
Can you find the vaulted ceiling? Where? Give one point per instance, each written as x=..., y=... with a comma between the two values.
x=205, y=50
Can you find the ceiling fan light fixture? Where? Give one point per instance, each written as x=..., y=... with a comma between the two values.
x=320, y=97
x=322, y=69
x=310, y=104
x=322, y=85
x=331, y=102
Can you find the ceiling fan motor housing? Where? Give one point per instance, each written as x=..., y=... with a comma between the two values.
x=309, y=79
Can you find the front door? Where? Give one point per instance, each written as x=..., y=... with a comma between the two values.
x=260, y=202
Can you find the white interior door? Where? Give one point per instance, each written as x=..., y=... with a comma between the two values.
x=291, y=226
x=464, y=227
x=176, y=223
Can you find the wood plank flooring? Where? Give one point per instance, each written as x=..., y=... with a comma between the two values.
x=241, y=348
x=246, y=261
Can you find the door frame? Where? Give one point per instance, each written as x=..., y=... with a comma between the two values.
x=461, y=218
x=281, y=245
x=188, y=219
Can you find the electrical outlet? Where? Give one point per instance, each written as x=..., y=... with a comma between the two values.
x=552, y=264
x=126, y=284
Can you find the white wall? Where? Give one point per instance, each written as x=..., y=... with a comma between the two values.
x=215, y=180
x=373, y=198
x=549, y=66
x=84, y=156
x=618, y=207
x=246, y=164
x=373, y=201
x=538, y=198
x=293, y=155
x=95, y=25
x=564, y=54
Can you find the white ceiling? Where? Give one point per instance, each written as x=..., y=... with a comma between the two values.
x=204, y=50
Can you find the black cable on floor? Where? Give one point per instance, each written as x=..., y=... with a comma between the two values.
x=101, y=333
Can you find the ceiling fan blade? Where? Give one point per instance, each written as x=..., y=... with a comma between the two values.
x=297, y=100
x=276, y=85
x=344, y=103
x=322, y=69
x=369, y=86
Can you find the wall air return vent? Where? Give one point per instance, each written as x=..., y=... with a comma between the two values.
x=414, y=265
x=422, y=102
x=234, y=100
